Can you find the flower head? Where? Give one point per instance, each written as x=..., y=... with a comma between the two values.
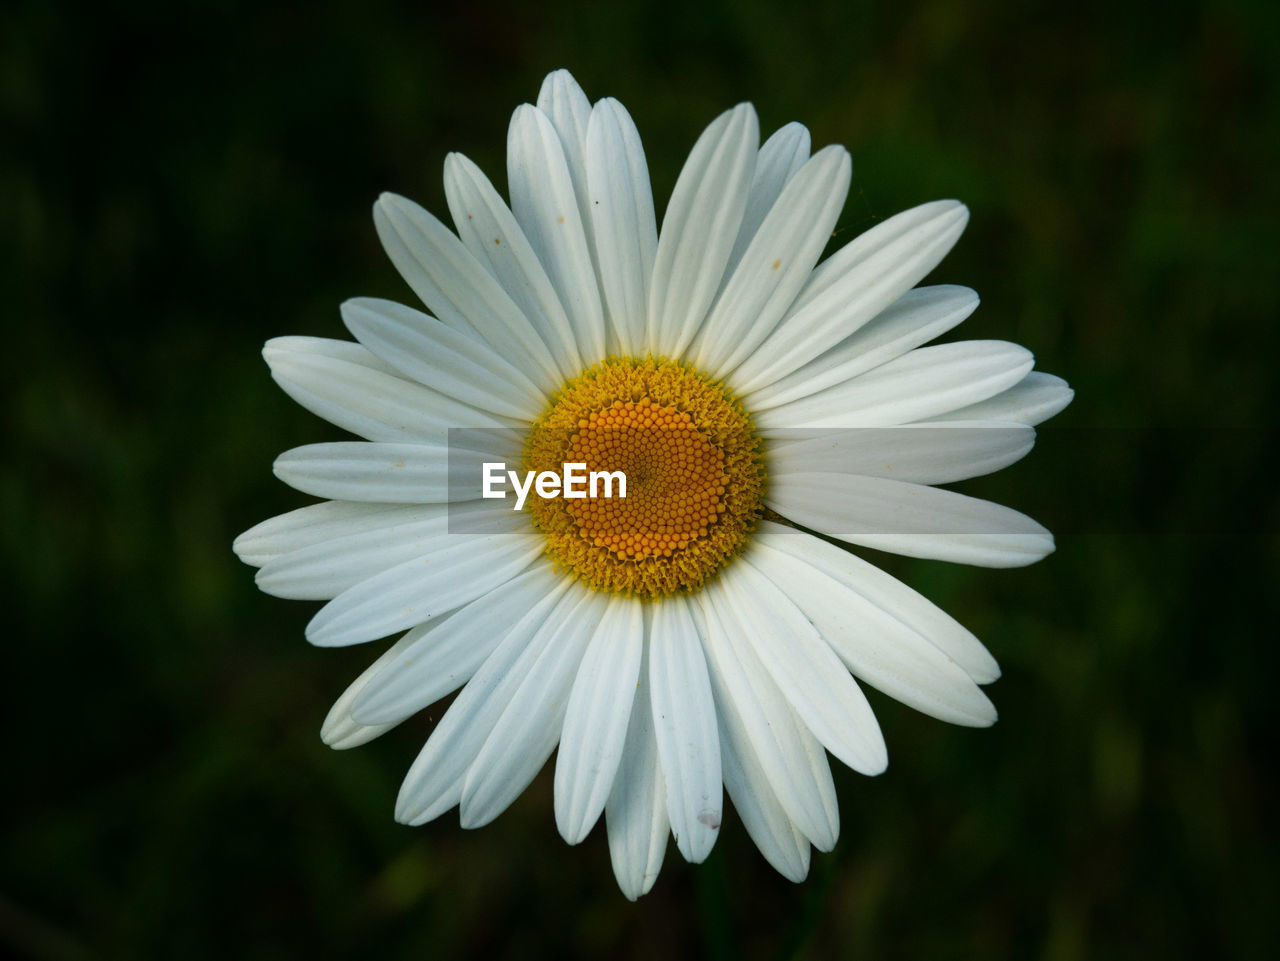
x=685, y=640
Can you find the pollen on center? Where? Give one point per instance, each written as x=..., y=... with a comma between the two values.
x=693, y=470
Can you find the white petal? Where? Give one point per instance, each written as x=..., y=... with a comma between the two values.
x=626, y=233
x=417, y=590
x=367, y=401
x=337, y=349
x=821, y=692
x=458, y=290
x=357, y=471
x=875, y=645
x=762, y=815
x=565, y=104
x=889, y=595
x=324, y=569
x=928, y=453
x=777, y=263
x=793, y=761
x=434, y=782
x=424, y=473
x=314, y=524
x=529, y=728
x=910, y=519
x=636, y=813
x=449, y=362
x=917, y=386
x=569, y=110
x=780, y=158
x=1034, y=399
x=442, y=655
x=595, y=724
x=916, y=318
x=340, y=730
x=685, y=720
x=546, y=207
x=699, y=228
x=849, y=288
x=489, y=230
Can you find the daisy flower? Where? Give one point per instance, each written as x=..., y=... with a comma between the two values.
x=687, y=640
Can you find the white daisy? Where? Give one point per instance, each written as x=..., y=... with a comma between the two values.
x=674, y=644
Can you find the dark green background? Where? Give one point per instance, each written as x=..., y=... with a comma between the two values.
x=180, y=182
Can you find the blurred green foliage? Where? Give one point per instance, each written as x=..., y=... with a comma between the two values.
x=179, y=182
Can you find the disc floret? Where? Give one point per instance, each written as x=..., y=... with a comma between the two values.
x=693, y=469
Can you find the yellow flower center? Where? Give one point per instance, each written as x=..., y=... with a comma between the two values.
x=693, y=471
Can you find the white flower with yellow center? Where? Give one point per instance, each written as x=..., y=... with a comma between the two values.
x=675, y=643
